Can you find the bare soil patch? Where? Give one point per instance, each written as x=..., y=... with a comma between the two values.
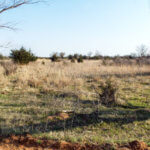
x=27, y=142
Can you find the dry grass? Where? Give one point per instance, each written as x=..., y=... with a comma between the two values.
x=63, y=75
x=37, y=91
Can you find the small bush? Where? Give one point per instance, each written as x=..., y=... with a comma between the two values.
x=22, y=56
x=43, y=62
x=80, y=59
x=108, y=94
x=73, y=60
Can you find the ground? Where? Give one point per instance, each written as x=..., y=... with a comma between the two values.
x=63, y=104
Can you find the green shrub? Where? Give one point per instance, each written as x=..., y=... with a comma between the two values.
x=22, y=56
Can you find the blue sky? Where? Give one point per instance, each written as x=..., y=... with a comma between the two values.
x=109, y=26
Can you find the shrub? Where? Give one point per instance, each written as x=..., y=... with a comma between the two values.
x=80, y=59
x=43, y=62
x=73, y=60
x=22, y=56
x=108, y=95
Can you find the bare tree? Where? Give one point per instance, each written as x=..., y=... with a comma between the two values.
x=6, y=5
x=62, y=54
x=142, y=50
x=89, y=54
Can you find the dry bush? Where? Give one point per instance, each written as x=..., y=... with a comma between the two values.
x=9, y=67
x=73, y=60
x=108, y=94
x=142, y=61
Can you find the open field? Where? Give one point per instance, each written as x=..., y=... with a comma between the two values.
x=58, y=101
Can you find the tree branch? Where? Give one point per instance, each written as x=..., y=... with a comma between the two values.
x=14, y=4
x=7, y=5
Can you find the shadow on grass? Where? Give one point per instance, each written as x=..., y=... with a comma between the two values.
x=116, y=116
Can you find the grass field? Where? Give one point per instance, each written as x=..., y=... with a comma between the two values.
x=34, y=98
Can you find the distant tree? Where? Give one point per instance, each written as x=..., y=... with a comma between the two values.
x=85, y=57
x=54, y=57
x=142, y=50
x=62, y=54
x=89, y=54
x=76, y=56
x=80, y=59
x=133, y=54
x=1, y=56
x=70, y=57
x=97, y=55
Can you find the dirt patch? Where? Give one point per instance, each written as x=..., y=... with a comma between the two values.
x=137, y=145
x=29, y=143
x=59, y=116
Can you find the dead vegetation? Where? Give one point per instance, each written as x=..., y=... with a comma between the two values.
x=60, y=75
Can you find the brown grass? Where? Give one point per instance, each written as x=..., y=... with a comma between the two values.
x=63, y=75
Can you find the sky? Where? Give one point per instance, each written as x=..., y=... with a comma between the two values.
x=110, y=27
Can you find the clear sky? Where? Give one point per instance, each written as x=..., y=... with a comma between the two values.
x=109, y=26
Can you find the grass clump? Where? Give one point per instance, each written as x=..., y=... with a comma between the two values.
x=22, y=56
